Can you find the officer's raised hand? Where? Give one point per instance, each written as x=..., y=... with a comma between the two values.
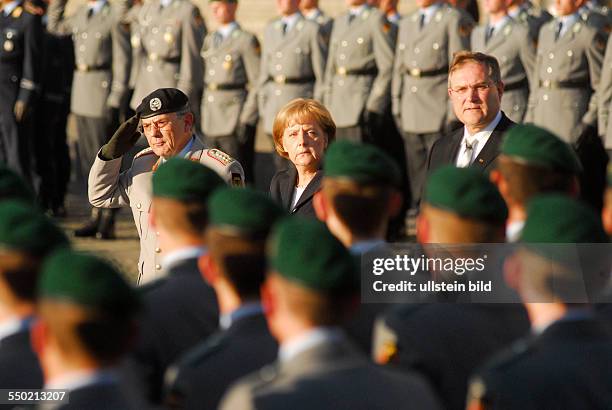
x=122, y=140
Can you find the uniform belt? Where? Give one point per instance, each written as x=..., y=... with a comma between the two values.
x=223, y=87
x=156, y=57
x=418, y=73
x=365, y=71
x=552, y=85
x=517, y=85
x=281, y=79
x=85, y=68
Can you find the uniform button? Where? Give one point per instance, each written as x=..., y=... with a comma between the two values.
x=154, y=30
x=414, y=89
x=417, y=50
x=277, y=92
x=298, y=50
x=157, y=267
x=213, y=60
x=435, y=46
x=211, y=72
x=342, y=56
x=279, y=54
x=515, y=107
x=82, y=48
x=344, y=43
x=549, y=70
x=104, y=84
x=570, y=53
x=157, y=250
x=360, y=40
x=139, y=206
x=9, y=35
x=84, y=36
x=98, y=35
x=545, y=97
x=278, y=67
x=150, y=68
x=211, y=98
x=551, y=56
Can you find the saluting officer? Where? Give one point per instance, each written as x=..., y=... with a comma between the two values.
x=229, y=104
x=20, y=63
x=426, y=42
x=358, y=73
x=292, y=62
x=310, y=9
x=101, y=49
x=170, y=34
x=568, y=68
x=509, y=42
x=529, y=15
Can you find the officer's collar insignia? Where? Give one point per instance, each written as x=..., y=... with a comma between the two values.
x=155, y=104
x=438, y=16
x=235, y=33
x=508, y=30
x=17, y=12
x=320, y=19
x=365, y=14
x=577, y=27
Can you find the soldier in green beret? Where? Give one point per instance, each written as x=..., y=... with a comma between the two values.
x=181, y=308
x=26, y=237
x=235, y=267
x=12, y=186
x=309, y=292
x=533, y=161
x=567, y=341
x=460, y=206
x=85, y=324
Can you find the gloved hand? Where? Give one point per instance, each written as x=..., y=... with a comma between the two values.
x=122, y=140
x=20, y=110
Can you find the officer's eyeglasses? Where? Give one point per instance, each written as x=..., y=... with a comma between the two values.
x=479, y=88
x=163, y=124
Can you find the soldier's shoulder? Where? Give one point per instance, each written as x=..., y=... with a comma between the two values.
x=200, y=353
x=144, y=153
x=514, y=28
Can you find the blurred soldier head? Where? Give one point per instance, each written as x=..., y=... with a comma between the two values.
x=287, y=7
x=355, y=3
x=235, y=265
x=475, y=89
x=179, y=211
x=86, y=315
x=534, y=161
x=224, y=11
x=425, y=3
x=495, y=6
x=607, y=208
x=309, y=4
x=461, y=205
x=26, y=238
x=360, y=192
x=567, y=7
x=167, y=121
x=312, y=279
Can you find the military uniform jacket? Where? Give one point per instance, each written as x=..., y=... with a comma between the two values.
x=231, y=73
x=101, y=396
x=171, y=38
x=199, y=379
x=102, y=55
x=359, y=67
x=20, y=56
x=568, y=366
x=533, y=18
x=515, y=53
x=604, y=101
x=330, y=375
x=325, y=22
x=566, y=73
x=292, y=66
x=108, y=188
x=420, y=97
x=19, y=364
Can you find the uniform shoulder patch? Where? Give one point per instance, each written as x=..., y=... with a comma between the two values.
x=146, y=151
x=220, y=156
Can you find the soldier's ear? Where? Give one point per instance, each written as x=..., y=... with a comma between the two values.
x=38, y=336
x=208, y=269
x=320, y=206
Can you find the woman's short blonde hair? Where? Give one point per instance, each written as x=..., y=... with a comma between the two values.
x=299, y=110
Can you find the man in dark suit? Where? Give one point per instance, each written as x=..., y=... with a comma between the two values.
x=26, y=237
x=180, y=309
x=460, y=206
x=475, y=90
x=86, y=322
x=566, y=362
x=239, y=223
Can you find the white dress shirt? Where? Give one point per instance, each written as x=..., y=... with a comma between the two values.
x=478, y=141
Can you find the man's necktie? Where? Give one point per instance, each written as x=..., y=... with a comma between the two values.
x=558, y=31
x=90, y=13
x=217, y=39
x=284, y=28
x=421, y=21
x=351, y=17
x=466, y=159
x=488, y=34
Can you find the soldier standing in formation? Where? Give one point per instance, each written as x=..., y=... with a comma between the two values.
x=509, y=42
x=231, y=72
x=567, y=73
x=426, y=42
x=292, y=63
x=20, y=68
x=389, y=9
x=358, y=72
x=529, y=15
x=310, y=9
x=101, y=46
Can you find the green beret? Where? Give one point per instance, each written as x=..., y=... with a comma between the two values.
x=466, y=192
x=536, y=146
x=303, y=251
x=162, y=101
x=87, y=281
x=363, y=163
x=185, y=180
x=13, y=187
x=24, y=228
x=243, y=210
x=555, y=218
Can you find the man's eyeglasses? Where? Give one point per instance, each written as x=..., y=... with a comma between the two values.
x=479, y=88
x=163, y=124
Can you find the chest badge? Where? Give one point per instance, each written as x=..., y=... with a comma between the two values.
x=8, y=45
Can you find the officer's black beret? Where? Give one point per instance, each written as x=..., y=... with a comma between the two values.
x=162, y=101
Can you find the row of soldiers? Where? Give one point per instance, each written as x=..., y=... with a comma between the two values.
x=372, y=70
x=261, y=310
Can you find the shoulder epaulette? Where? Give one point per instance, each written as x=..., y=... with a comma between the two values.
x=146, y=151
x=220, y=156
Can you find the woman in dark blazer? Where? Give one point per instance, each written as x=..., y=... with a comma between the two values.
x=302, y=131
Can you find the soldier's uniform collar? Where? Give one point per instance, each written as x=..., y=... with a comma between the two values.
x=227, y=29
